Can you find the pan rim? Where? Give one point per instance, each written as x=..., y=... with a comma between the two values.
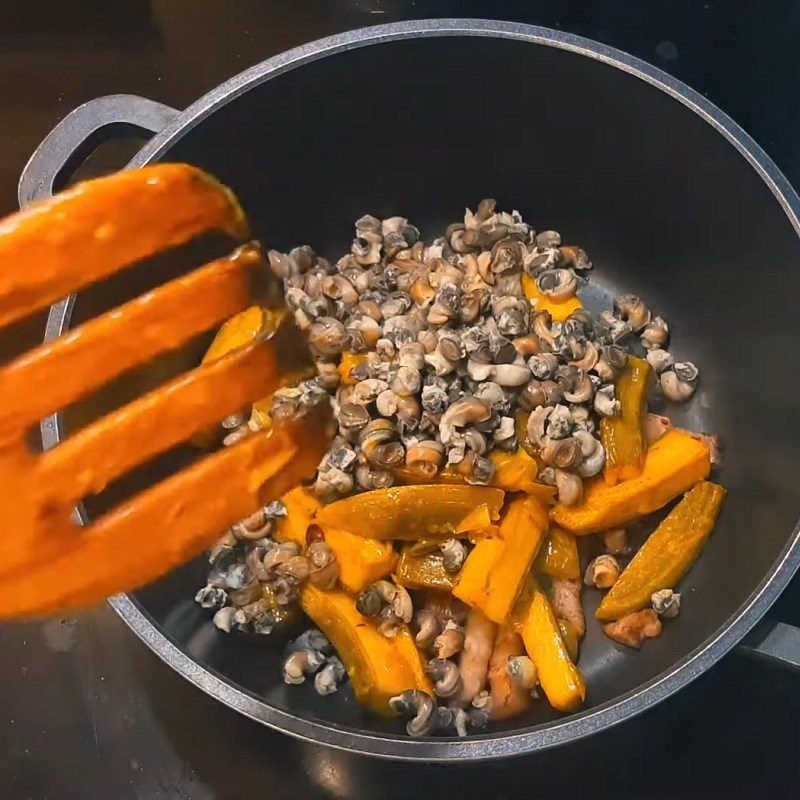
x=545, y=735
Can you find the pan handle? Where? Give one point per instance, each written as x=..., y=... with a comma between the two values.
x=773, y=640
x=80, y=132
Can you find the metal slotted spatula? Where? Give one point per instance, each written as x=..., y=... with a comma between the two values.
x=47, y=562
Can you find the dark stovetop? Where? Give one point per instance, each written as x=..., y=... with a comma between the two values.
x=86, y=711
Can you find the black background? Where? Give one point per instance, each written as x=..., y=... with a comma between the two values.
x=86, y=711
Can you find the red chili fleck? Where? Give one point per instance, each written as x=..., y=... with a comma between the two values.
x=314, y=534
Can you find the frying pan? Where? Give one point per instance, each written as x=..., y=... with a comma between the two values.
x=669, y=196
